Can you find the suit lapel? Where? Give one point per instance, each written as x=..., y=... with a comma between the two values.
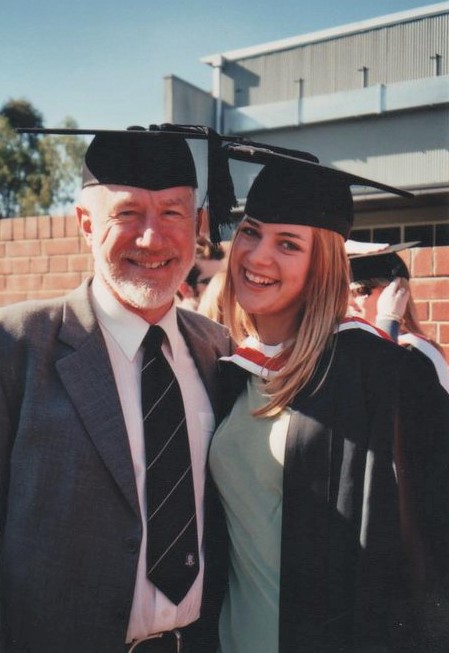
x=88, y=378
x=205, y=358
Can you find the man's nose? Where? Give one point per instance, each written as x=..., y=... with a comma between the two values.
x=151, y=233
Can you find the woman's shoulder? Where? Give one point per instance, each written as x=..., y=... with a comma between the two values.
x=422, y=346
x=360, y=336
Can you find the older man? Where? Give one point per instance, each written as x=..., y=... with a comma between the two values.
x=108, y=399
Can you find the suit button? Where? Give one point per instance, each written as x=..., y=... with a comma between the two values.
x=132, y=544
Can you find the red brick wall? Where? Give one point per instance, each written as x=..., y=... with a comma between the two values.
x=46, y=256
x=429, y=270
x=41, y=257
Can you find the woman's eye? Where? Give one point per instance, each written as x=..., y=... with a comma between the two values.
x=287, y=244
x=248, y=231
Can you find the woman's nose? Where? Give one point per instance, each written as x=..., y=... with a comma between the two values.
x=261, y=253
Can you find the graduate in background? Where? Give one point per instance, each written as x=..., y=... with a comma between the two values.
x=381, y=294
x=328, y=462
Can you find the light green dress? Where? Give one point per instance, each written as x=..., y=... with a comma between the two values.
x=246, y=460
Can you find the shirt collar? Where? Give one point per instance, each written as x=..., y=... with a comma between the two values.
x=127, y=328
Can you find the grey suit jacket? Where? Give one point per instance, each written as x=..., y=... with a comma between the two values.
x=70, y=524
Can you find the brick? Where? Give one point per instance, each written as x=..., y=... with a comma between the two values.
x=2, y=283
x=57, y=263
x=441, y=261
x=64, y=281
x=46, y=294
x=60, y=246
x=2, y=250
x=18, y=228
x=31, y=230
x=44, y=227
x=5, y=266
x=57, y=226
x=84, y=247
x=71, y=226
x=423, y=311
x=23, y=282
x=80, y=263
x=406, y=256
x=444, y=333
x=430, y=329
x=39, y=265
x=430, y=288
x=439, y=311
x=6, y=229
x=21, y=265
x=422, y=259
x=23, y=248
x=7, y=298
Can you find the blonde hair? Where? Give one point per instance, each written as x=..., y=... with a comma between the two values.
x=322, y=305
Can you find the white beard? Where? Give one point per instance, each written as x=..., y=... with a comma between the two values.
x=142, y=295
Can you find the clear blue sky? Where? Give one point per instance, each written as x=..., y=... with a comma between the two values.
x=102, y=62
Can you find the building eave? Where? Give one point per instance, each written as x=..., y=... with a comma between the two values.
x=327, y=34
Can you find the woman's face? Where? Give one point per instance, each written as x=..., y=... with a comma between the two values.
x=269, y=265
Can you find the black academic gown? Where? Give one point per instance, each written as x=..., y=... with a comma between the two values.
x=365, y=485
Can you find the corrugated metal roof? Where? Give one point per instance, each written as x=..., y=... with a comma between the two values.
x=332, y=33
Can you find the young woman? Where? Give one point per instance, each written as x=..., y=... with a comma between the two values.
x=381, y=294
x=316, y=463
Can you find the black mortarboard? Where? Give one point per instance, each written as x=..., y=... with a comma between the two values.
x=157, y=158
x=293, y=188
x=382, y=264
x=130, y=158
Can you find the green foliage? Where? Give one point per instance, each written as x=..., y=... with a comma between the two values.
x=37, y=173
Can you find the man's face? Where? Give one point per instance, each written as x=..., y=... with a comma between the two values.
x=143, y=242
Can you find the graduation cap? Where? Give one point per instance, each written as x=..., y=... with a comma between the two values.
x=382, y=264
x=128, y=159
x=156, y=158
x=294, y=188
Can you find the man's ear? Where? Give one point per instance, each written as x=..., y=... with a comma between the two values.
x=84, y=223
x=202, y=223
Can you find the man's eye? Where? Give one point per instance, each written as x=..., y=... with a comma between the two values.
x=173, y=213
x=125, y=215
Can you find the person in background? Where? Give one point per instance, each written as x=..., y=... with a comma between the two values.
x=209, y=259
x=187, y=293
x=330, y=458
x=97, y=555
x=211, y=303
x=381, y=293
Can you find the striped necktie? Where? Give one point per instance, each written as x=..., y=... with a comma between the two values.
x=172, y=547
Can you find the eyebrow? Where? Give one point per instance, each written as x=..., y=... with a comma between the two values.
x=285, y=234
x=173, y=200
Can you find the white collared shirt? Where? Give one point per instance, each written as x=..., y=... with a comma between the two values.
x=123, y=330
